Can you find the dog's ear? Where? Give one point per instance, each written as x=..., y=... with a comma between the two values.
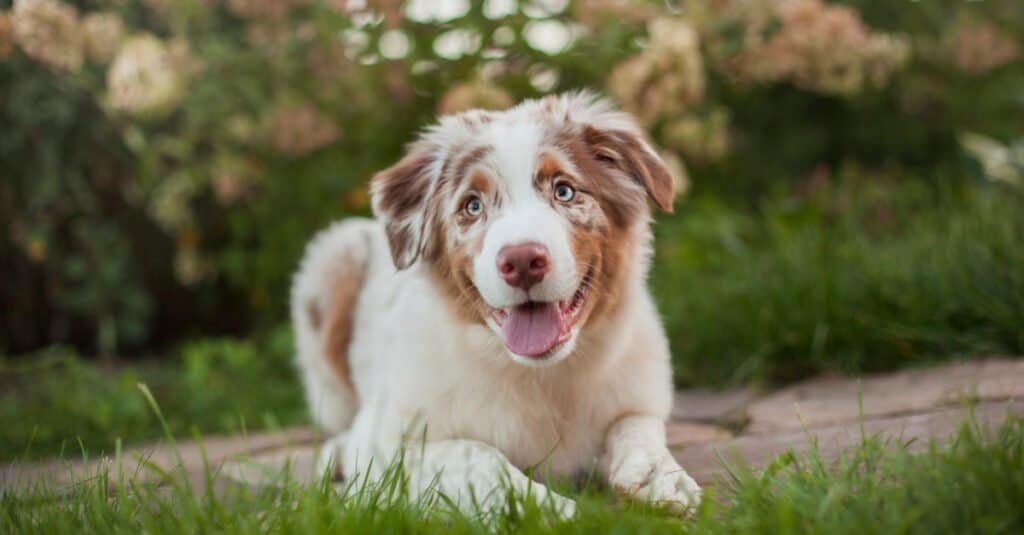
x=617, y=142
x=626, y=151
x=400, y=196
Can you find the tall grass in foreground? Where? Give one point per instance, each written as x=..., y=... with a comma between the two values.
x=974, y=485
x=857, y=277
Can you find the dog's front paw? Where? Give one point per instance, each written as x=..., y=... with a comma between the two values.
x=564, y=508
x=656, y=478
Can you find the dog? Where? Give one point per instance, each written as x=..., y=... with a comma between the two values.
x=494, y=316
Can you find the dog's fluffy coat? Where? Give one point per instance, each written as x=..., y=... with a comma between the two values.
x=399, y=321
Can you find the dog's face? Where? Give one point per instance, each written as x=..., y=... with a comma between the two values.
x=529, y=220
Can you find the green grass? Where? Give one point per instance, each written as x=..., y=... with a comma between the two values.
x=57, y=402
x=973, y=485
x=861, y=276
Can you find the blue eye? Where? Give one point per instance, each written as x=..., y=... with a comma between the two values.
x=564, y=192
x=474, y=206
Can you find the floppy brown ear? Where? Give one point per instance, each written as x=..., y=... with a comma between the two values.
x=629, y=153
x=399, y=194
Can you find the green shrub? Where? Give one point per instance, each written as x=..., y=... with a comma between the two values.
x=61, y=403
x=860, y=277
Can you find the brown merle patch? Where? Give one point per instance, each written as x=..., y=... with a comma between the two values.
x=338, y=327
x=627, y=153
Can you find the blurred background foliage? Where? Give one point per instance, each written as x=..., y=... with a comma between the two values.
x=853, y=169
x=60, y=404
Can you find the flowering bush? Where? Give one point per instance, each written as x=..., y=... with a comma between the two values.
x=164, y=161
x=819, y=47
x=48, y=31
x=667, y=78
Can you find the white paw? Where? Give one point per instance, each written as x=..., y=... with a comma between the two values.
x=656, y=478
x=563, y=507
x=328, y=459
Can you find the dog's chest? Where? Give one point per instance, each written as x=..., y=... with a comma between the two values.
x=530, y=424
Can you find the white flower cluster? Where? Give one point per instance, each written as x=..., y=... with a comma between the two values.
x=49, y=31
x=233, y=178
x=667, y=78
x=816, y=46
x=103, y=33
x=52, y=33
x=979, y=47
x=147, y=78
x=701, y=138
x=1001, y=162
x=300, y=128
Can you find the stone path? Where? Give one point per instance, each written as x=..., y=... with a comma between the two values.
x=911, y=406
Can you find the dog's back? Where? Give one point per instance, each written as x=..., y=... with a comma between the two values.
x=325, y=293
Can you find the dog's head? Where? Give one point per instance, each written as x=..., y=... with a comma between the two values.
x=530, y=220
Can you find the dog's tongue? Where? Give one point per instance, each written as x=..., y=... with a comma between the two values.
x=532, y=329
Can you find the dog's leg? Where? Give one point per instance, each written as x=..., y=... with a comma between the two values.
x=638, y=464
x=475, y=476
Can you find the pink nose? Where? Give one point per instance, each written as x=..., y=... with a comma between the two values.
x=523, y=265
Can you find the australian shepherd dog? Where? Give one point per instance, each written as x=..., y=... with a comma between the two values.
x=494, y=315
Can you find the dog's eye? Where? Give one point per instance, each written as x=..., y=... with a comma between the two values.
x=474, y=206
x=564, y=192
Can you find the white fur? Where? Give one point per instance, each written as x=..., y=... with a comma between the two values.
x=421, y=374
x=526, y=221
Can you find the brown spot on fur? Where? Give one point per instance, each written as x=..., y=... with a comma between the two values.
x=468, y=160
x=400, y=243
x=548, y=165
x=313, y=311
x=338, y=327
x=460, y=162
x=609, y=252
x=618, y=194
x=478, y=181
x=399, y=194
x=628, y=153
x=402, y=187
x=452, y=272
x=475, y=118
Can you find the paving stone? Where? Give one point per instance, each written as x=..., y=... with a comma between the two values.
x=726, y=407
x=271, y=468
x=687, y=433
x=702, y=460
x=141, y=463
x=833, y=400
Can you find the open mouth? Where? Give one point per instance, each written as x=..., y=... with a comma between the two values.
x=536, y=329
